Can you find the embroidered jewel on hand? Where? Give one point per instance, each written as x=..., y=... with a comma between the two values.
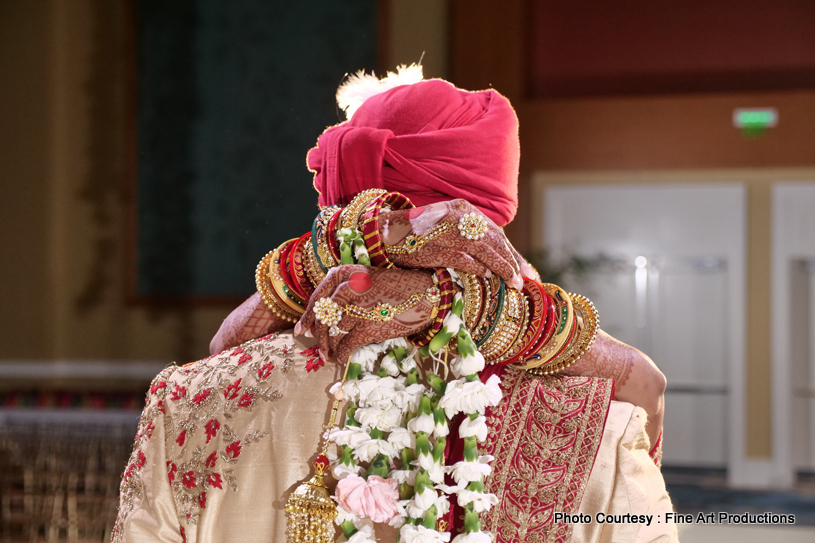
x=472, y=226
x=328, y=312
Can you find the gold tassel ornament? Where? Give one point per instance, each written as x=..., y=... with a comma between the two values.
x=310, y=511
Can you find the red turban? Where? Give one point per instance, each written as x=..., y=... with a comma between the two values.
x=429, y=141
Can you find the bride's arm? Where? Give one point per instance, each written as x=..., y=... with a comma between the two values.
x=488, y=253
x=250, y=320
x=637, y=379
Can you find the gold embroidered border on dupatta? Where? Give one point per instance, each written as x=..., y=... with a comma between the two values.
x=544, y=436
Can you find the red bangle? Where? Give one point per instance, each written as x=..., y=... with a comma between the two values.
x=290, y=289
x=536, y=298
x=330, y=236
x=370, y=226
x=445, y=282
x=297, y=269
x=549, y=328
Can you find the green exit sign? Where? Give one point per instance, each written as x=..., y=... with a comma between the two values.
x=755, y=118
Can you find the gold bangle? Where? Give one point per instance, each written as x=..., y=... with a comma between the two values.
x=473, y=298
x=588, y=333
x=313, y=272
x=506, y=329
x=517, y=342
x=264, y=288
x=521, y=328
x=487, y=289
x=322, y=234
x=562, y=333
x=350, y=215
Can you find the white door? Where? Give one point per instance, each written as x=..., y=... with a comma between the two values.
x=793, y=303
x=676, y=292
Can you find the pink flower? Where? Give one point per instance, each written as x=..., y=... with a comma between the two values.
x=375, y=498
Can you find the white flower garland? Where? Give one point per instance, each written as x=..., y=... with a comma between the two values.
x=399, y=426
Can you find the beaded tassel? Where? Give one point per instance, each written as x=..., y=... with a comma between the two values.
x=310, y=511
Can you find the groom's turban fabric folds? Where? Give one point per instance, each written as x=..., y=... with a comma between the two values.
x=429, y=141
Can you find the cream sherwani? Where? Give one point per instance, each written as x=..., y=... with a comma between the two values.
x=223, y=441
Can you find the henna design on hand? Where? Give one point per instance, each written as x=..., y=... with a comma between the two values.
x=492, y=253
x=390, y=286
x=249, y=320
x=638, y=380
x=608, y=358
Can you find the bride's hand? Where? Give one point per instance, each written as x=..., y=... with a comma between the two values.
x=453, y=234
x=366, y=288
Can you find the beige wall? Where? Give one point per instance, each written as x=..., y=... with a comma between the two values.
x=62, y=190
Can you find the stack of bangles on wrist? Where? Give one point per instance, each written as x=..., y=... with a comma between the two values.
x=542, y=328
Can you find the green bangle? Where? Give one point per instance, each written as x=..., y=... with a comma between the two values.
x=315, y=234
x=501, y=292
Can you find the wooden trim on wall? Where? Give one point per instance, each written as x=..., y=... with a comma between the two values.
x=488, y=45
x=664, y=132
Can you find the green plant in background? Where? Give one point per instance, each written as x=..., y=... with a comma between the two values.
x=554, y=271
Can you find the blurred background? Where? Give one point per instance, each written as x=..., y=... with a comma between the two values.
x=153, y=151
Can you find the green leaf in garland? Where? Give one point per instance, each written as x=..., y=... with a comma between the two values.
x=425, y=408
x=348, y=528
x=470, y=449
x=430, y=517
x=354, y=371
x=471, y=521
x=437, y=384
x=422, y=443
x=349, y=415
x=438, y=449
x=379, y=466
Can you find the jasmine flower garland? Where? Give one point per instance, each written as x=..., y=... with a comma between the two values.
x=390, y=455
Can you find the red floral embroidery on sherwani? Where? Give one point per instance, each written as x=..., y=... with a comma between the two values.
x=211, y=428
x=215, y=480
x=234, y=449
x=245, y=358
x=212, y=459
x=231, y=391
x=544, y=436
x=178, y=393
x=313, y=359
x=189, y=480
x=265, y=371
x=191, y=411
x=157, y=386
x=200, y=397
